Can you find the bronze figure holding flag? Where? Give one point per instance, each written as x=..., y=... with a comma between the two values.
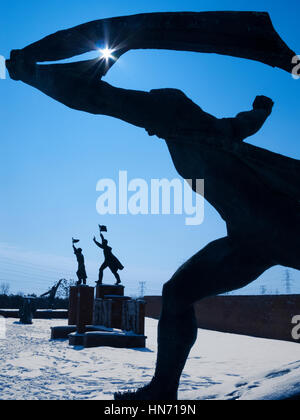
x=110, y=261
x=81, y=273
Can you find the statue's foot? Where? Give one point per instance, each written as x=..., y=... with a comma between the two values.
x=147, y=393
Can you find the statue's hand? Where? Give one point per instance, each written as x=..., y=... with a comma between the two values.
x=18, y=64
x=263, y=102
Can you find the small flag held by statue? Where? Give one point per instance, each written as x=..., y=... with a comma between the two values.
x=75, y=241
x=102, y=228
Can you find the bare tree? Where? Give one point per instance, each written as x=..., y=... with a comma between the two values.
x=64, y=290
x=4, y=288
x=263, y=290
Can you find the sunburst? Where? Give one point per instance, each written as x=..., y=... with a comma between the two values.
x=106, y=53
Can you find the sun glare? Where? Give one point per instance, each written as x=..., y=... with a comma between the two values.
x=106, y=53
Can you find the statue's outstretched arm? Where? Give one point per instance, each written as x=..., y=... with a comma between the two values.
x=249, y=35
x=98, y=244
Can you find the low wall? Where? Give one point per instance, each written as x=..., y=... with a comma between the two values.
x=39, y=314
x=257, y=316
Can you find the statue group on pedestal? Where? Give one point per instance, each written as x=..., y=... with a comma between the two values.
x=110, y=260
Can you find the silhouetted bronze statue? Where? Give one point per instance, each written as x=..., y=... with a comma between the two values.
x=110, y=261
x=81, y=273
x=255, y=191
x=52, y=293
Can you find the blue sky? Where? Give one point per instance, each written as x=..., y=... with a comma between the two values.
x=51, y=157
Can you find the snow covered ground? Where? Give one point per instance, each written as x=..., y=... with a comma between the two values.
x=221, y=366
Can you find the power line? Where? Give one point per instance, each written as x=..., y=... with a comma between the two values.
x=30, y=265
x=21, y=274
x=31, y=272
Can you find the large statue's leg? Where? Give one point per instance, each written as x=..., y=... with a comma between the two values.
x=222, y=266
x=231, y=33
x=76, y=86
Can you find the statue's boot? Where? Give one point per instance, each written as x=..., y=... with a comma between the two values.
x=147, y=393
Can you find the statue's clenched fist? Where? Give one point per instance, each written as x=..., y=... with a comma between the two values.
x=263, y=102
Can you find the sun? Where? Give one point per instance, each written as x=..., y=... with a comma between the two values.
x=106, y=53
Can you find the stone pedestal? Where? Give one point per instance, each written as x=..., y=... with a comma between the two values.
x=113, y=339
x=76, y=339
x=27, y=310
x=62, y=332
x=72, y=312
x=117, y=310
x=111, y=319
x=105, y=289
x=120, y=312
x=81, y=305
x=141, y=318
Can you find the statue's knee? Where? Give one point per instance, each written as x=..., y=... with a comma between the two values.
x=170, y=294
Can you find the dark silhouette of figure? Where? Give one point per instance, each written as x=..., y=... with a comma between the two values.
x=52, y=293
x=255, y=191
x=81, y=273
x=110, y=261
